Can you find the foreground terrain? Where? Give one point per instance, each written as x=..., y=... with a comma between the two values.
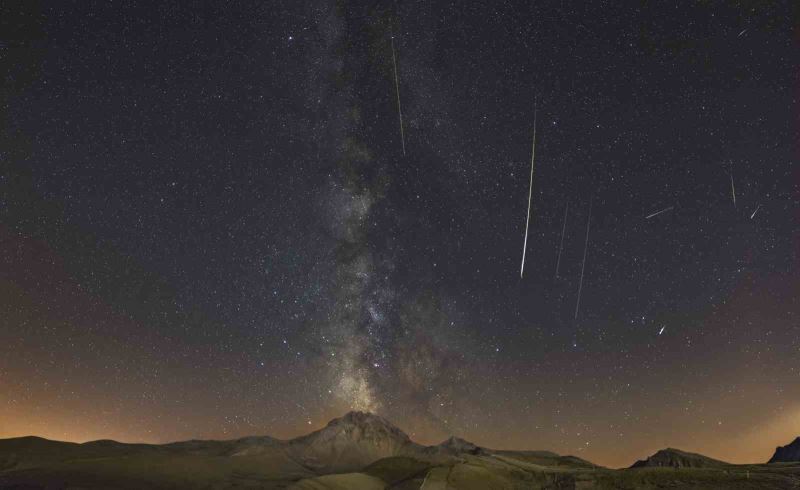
x=357, y=451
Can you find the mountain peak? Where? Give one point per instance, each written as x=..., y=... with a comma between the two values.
x=675, y=458
x=359, y=417
x=350, y=442
x=367, y=422
x=787, y=453
x=460, y=445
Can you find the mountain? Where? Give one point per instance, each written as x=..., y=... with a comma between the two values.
x=359, y=451
x=350, y=443
x=674, y=458
x=548, y=458
x=457, y=445
x=787, y=453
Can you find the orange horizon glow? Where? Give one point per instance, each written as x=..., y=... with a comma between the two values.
x=752, y=446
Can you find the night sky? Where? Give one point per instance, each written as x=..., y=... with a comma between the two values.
x=208, y=227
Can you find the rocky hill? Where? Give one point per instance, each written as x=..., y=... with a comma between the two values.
x=351, y=442
x=787, y=453
x=675, y=458
x=457, y=445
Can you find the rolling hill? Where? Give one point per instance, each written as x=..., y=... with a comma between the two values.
x=675, y=458
x=787, y=453
x=357, y=451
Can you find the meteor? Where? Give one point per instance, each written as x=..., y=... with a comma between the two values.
x=659, y=212
x=397, y=91
x=662, y=330
x=530, y=194
x=561, y=245
x=733, y=190
x=583, y=266
x=754, y=212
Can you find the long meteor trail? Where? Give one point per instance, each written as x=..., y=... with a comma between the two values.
x=561, y=245
x=583, y=266
x=530, y=194
x=659, y=212
x=733, y=190
x=754, y=212
x=397, y=91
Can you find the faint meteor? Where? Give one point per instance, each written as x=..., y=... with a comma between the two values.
x=561, y=245
x=662, y=330
x=397, y=91
x=659, y=212
x=583, y=265
x=530, y=194
x=741, y=33
x=754, y=212
x=733, y=190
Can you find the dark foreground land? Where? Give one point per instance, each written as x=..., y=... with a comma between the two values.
x=357, y=451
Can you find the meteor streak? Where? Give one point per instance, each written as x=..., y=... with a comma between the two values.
x=733, y=190
x=659, y=212
x=530, y=194
x=583, y=266
x=397, y=91
x=561, y=245
x=662, y=330
x=754, y=212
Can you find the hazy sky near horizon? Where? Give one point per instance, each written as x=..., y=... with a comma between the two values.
x=211, y=225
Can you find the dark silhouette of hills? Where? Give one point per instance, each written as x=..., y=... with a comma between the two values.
x=675, y=458
x=787, y=453
x=457, y=445
x=357, y=451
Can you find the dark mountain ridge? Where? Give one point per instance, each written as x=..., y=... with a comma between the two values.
x=788, y=453
x=675, y=458
x=347, y=443
x=358, y=450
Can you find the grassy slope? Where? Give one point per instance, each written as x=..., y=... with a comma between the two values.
x=734, y=477
x=398, y=470
x=345, y=481
x=488, y=473
x=547, y=458
x=165, y=470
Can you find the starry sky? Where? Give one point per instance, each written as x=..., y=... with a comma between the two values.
x=211, y=225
